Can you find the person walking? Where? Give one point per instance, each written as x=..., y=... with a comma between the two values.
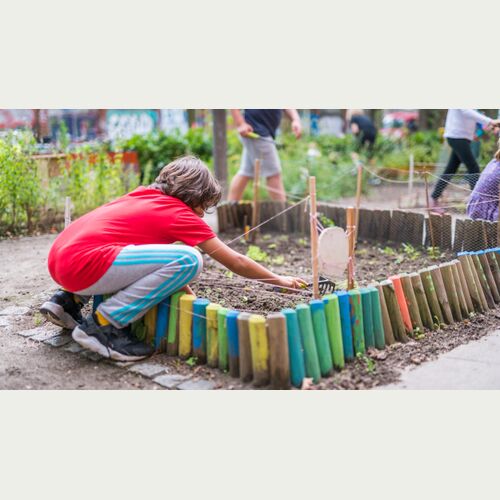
x=459, y=132
x=257, y=128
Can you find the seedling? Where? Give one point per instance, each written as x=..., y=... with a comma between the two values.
x=410, y=251
x=192, y=361
x=255, y=253
x=370, y=364
x=434, y=253
x=388, y=251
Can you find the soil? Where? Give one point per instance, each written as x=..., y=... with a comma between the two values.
x=24, y=281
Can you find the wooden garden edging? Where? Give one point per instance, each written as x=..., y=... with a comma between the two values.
x=316, y=338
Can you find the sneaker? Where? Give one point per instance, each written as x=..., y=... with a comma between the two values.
x=110, y=342
x=62, y=310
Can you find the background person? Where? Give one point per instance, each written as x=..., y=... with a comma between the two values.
x=483, y=203
x=362, y=128
x=264, y=123
x=459, y=131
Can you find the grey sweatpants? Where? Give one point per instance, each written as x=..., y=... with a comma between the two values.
x=142, y=276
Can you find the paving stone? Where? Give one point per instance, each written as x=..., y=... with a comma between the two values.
x=14, y=311
x=74, y=347
x=92, y=356
x=149, y=370
x=59, y=340
x=39, y=331
x=197, y=385
x=4, y=321
x=170, y=381
x=44, y=335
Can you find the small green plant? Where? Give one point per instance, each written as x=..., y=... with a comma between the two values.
x=192, y=361
x=325, y=221
x=272, y=246
x=257, y=254
x=302, y=242
x=418, y=334
x=388, y=251
x=279, y=260
x=410, y=251
x=434, y=253
x=370, y=364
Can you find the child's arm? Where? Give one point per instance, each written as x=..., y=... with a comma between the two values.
x=246, y=267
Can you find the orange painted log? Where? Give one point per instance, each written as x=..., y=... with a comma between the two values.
x=403, y=306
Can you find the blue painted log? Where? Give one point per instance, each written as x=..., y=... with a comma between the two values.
x=233, y=343
x=200, y=330
x=162, y=324
x=367, y=318
x=345, y=321
x=295, y=349
x=98, y=299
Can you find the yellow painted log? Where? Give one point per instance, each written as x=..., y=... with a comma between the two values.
x=260, y=349
x=185, y=324
x=212, y=335
x=150, y=324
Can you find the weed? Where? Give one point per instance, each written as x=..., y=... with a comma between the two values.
x=272, y=246
x=388, y=251
x=303, y=242
x=370, y=364
x=191, y=361
x=279, y=260
x=266, y=237
x=229, y=274
x=37, y=319
x=434, y=253
x=410, y=251
x=325, y=221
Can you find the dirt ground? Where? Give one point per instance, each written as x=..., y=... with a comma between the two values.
x=24, y=281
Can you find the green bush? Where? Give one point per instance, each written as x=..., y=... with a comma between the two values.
x=20, y=191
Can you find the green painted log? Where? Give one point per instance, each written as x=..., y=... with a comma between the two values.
x=378, y=324
x=357, y=325
x=332, y=313
x=307, y=334
x=321, y=337
x=367, y=318
x=173, y=325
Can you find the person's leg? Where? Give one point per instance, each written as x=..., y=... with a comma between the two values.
x=246, y=172
x=141, y=277
x=237, y=187
x=449, y=171
x=276, y=188
x=464, y=152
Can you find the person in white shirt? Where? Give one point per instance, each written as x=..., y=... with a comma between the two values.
x=459, y=132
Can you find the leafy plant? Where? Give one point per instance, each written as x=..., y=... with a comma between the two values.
x=434, y=253
x=369, y=363
x=192, y=361
x=257, y=254
x=410, y=251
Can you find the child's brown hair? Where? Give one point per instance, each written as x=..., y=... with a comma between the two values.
x=190, y=180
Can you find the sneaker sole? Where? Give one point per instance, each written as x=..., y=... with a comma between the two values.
x=92, y=344
x=57, y=315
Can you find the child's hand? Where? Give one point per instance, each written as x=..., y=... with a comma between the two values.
x=188, y=290
x=291, y=282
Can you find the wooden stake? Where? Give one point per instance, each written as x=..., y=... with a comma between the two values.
x=423, y=305
x=451, y=290
x=388, y=332
x=256, y=204
x=489, y=276
x=458, y=285
x=395, y=316
x=466, y=286
x=350, y=228
x=432, y=300
x=314, y=237
x=431, y=232
x=279, y=366
x=483, y=281
x=412, y=303
x=437, y=279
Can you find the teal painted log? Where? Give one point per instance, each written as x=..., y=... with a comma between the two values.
x=332, y=312
x=232, y=343
x=295, y=349
x=200, y=330
x=321, y=337
x=378, y=324
x=345, y=321
x=366, y=304
x=222, y=338
x=307, y=334
x=356, y=311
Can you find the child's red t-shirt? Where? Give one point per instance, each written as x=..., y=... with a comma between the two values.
x=85, y=250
